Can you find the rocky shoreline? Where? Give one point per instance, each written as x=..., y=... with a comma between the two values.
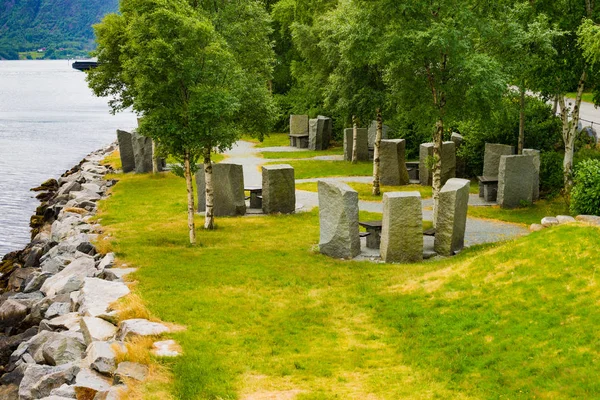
x=59, y=339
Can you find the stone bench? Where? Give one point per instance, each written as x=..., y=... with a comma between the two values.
x=255, y=196
x=373, y=233
x=299, y=140
x=488, y=187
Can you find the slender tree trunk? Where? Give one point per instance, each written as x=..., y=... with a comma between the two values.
x=376, y=161
x=154, y=158
x=437, y=167
x=190, y=196
x=209, y=217
x=354, y=140
x=521, y=119
x=555, y=105
x=569, y=131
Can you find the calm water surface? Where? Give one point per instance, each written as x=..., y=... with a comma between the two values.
x=49, y=121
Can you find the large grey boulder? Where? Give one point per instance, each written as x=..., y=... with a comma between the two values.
x=88, y=383
x=97, y=294
x=228, y=190
x=393, y=170
x=278, y=189
x=96, y=329
x=62, y=349
x=130, y=370
x=362, y=144
x=12, y=312
x=491, y=158
x=372, y=133
x=142, y=153
x=338, y=220
x=298, y=124
x=140, y=327
x=57, y=309
x=40, y=380
x=101, y=357
x=69, y=322
x=71, y=278
x=515, y=180
x=536, y=173
x=402, y=227
x=452, y=217
x=448, y=162
x=126, y=151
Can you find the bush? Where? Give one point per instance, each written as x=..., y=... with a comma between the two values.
x=585, y=196
x=551, y=173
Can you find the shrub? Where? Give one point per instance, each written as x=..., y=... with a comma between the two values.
x=585, y=196
x=551, y=173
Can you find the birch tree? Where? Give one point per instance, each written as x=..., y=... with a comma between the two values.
x=376, y=160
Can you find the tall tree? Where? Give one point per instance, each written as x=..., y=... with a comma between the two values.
x=167, y=61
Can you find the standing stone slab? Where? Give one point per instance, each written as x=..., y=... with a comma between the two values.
x=278, y=189
x=452, y=217
x=142, y=153
x=491, y=157
x=228, y=190
x=316, y=128
x=373, y=133
x=448, y=162
x=402, y=227
x=536, y=173
x=515, y=180
x=338, y=219
x=126, y=151
x=362, y=144
x=327, y=131
x=298, y=127
x=392, y=163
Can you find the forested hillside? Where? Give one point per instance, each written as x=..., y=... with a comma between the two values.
x=62, y=27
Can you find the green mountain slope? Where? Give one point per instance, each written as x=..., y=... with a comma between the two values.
x=28, y=25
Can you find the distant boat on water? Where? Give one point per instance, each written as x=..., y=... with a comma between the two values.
x=84, y=65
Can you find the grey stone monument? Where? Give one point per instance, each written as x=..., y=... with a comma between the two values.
x=392, y=164
x=362, y=144
x=298, y=124
x=457, y=138
x=338, y=219
x=491, y=157
x=126, y=150
x=448, y=162
x=536, y=173
x=316, y=128
x=142, y=153
x=402, y=227
x=452, y=217
x=327, y=131
x=278, y=189
x=515, y=180
x=228, y=186
x=373, y=133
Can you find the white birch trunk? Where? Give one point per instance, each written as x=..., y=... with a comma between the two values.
x=209, y=217
x=190, y=197
x=354, y=140
x=154, y=158
x=376, y=160
x=437, y=167
x=521, y=119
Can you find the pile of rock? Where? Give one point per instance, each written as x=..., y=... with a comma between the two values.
x=59, y=336
x=548, y=222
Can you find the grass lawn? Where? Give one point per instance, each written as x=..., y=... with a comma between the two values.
x=588, y=97
x=320, y=169
x=365, y=189
x=267, y=316
x=273, y=140
x=532, y=214
x=302, y=154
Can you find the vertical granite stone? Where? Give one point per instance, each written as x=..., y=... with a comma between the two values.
x=448, y=162
x=452, y=217
x=298, y=124
x=491, y=157
x=402, y=227
x=515, y=180
x=142, y=153
x=315, y=133
x=457, y=138
x=536, y=172
x=278, y=189
x=362, y=144
x=338, y=220
x=392, y=164
x=228, y=190
x=126, y=151
x=373, y=133
x=327, y=131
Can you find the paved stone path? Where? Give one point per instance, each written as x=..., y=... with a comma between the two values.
x=478, y=230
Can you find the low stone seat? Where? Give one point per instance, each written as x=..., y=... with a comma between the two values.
x=299, y=140
x=255, y=196
x=374, y=233
x=488, y=187
x=429, y=232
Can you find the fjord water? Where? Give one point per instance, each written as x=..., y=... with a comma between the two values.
x=49, y=121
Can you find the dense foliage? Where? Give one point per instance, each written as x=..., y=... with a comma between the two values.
x=62, y=27
x=585, y=197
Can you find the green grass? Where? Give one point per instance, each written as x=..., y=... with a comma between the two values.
x=302, y=154
x=532, y=214
x=320, y=169
x=266, y=314
x=365, y=189
x=33, y=55
x=587, y=96
x=272, y=140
